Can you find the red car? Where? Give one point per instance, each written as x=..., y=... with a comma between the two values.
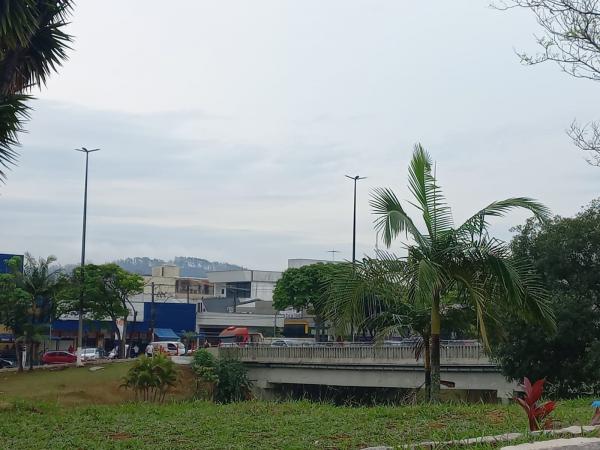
x=58, y=357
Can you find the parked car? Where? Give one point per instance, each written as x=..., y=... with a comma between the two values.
x=91, y=354
x=58, y=357
x=291, y=343
x=6, y=364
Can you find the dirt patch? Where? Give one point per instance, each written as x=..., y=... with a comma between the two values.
x=120, y=436
x=5, y=406
x=496, y=416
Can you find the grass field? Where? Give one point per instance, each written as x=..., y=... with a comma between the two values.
x=79, y=386
x=45, y=410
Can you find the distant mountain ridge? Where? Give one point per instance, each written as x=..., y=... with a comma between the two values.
x=190, y=266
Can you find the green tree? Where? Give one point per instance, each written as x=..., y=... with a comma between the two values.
x=14, y=310
x=107, y=290
x=373, y=295
x=38, y=285
x=445, y=258
x=42, y=284
x=32, y=46
x=566, y=254
x=303, y=288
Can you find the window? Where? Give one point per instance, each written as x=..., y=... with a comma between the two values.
x=222, y=291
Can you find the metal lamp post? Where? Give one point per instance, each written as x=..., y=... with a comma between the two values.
x=80, y=327
x=355, y=178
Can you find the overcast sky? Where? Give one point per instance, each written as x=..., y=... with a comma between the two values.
x=227, y=127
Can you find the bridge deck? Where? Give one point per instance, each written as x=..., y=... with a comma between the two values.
x=356, y=355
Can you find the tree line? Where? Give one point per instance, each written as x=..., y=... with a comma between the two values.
x=34, y=293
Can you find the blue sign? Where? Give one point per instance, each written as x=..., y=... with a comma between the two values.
x=4, y=257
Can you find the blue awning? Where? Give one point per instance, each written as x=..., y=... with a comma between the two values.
x=166, y=334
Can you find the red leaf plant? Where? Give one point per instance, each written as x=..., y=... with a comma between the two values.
x=537, y=414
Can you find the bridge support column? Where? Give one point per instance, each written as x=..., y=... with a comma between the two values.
x=263, y=390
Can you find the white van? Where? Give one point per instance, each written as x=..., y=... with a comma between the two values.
x=171, y=348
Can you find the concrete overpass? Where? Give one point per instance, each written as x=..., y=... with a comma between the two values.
x=465, y=366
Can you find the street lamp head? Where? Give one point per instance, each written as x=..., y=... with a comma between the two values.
x=355, y=178
x=85, y=150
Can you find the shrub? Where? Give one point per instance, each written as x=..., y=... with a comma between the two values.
x=151, y=377
x=224, y=380
x=204, y=366
x=203, y=358
x=233, y=384
x=536, y=414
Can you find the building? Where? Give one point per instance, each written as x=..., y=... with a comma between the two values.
x=173, y=312
x=174, y=318
x=169, y=284
x=215, y=314
x=244, y=284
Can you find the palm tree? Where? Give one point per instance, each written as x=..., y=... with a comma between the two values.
x=32, y=46
x=372, y=294
x=41, y=284
x=444, y=258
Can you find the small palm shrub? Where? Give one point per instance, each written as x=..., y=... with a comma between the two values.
x=151, y=377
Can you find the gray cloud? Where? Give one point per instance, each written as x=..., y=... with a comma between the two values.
x=232, y=142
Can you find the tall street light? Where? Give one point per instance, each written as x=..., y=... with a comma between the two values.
x=80, y=328
x=355, y=178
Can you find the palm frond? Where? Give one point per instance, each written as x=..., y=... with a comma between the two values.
x=428, y=194
x=511, y=282
x=13, y=112
x=17, y=22
x=31, y=62
x=391, y=219
x=477, y=224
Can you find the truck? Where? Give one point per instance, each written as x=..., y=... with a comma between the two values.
x=239, y=336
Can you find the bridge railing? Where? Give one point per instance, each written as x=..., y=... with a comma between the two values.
x=355, y=354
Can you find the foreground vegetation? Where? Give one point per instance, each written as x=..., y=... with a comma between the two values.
x=83, y=408
x=254, y=424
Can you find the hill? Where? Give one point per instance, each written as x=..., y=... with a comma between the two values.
x=190, y=266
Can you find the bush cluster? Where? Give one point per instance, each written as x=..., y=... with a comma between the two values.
x=223, y=380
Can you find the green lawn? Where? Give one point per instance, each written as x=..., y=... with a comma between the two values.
x=256, y=425
x=80, y=409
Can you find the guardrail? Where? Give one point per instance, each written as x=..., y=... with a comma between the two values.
x=471, y=354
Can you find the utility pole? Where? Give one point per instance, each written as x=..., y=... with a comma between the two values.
x=355, y=178
x=80, y=325
x=152, y=314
